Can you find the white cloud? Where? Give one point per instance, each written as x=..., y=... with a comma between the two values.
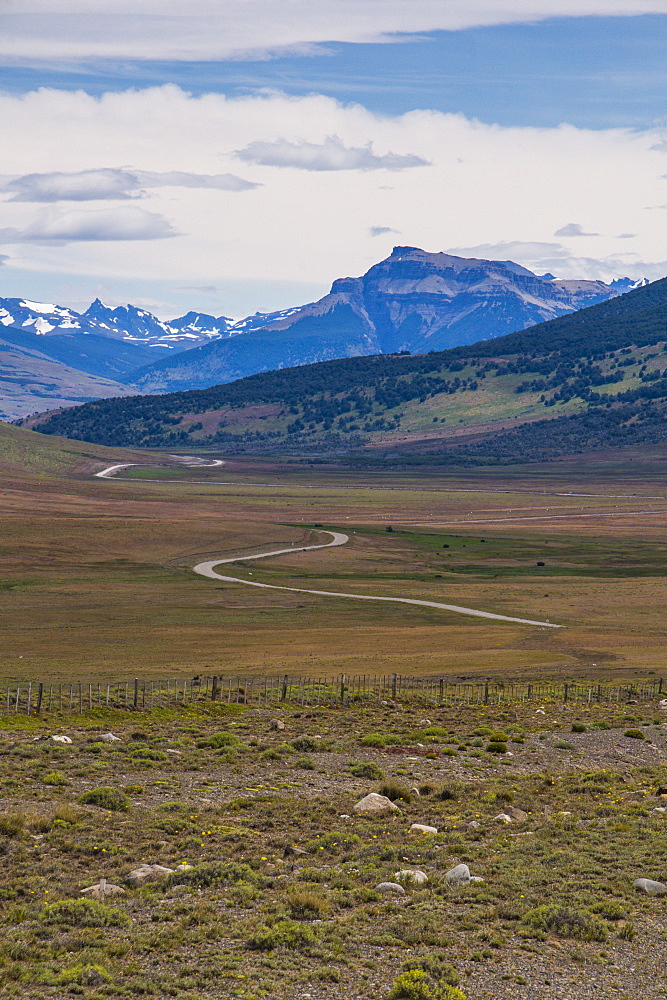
x=489, y=191
x=381, y=230
x=573, y=229
x=331, y=154
x=109, y=183
x=185, y=30
x=123, y=223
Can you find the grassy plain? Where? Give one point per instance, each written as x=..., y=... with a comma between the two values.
x=555, y=917
x=97, y=581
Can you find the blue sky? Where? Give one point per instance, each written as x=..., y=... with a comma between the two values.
x=244, y=161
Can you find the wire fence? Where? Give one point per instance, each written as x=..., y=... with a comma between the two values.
x=35, y=698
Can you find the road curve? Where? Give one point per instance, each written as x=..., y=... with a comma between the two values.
x=338, y=538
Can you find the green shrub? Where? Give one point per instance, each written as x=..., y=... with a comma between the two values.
x=55, y=778
x=482, y=731
x=634, y=734
x=145, y=753
x=333, y=839
x=366, y=769
x=498, y=736
x=610, y=909
x=394, y=790
x=285, y=934
x=11, y=824
x=84, y=913
x=435, y=966
x=133, y=790
x=219, y=740
x=106, y=798
x=579, y=727
x=305, y=763
x=306, y=905
x=495, y=746
x=211, y=873
x=566, y=922
x=564, y=745
x=83, y=975
x=306, y=744
x=416, y=985
x=438, y=733
x=380, y=739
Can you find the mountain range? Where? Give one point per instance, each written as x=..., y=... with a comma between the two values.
x=592, y=378
x=413, y=301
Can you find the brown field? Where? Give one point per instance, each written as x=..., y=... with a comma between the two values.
x=96, y=574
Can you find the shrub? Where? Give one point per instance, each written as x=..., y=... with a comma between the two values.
x=84, y=913
x=306, y=905
x=579, y=727
x=435, y=733
x=331, y=840
x=634, y=734
x=482, y=731
x=211, y=873
x=498, y=736
x=566, y=922
x=496, y=747
x=379, y=739
x=11, y=824
x=415, y=985
x=305, y=763
x=106, y=798
x=306, y=744
x=564, y=745
x=366, y=769
x=219, y=740
x=145, y=753
x=133, y=790
x=287, y=934
x=395, y=790
x=56, y=778
x=83, y=975
x=435, y=966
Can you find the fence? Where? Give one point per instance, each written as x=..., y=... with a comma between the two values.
x=145, y=695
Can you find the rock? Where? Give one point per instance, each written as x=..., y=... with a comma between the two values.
x=661, y=810
x=415, y=791
x=540, y=711
x=476, y=878
x=425, y=722
x=294, y=850
x=61, y=739
x=184, y=867
x=102, y=889
x=502, y=818
x=515, y=814
x=459, y=875
x=147, y=873
x=390, y=887
x=277, y=724
x=389, y=703
x=662, y=705
x=410, y=875
x=422, y=828
x=473, y=825
x=109, y=738
x=649, y=886
x=375, y=805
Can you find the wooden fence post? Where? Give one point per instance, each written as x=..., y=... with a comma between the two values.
x=486, y=693
x=342, y=688
x=40, y=693
x=214, y=688
x=283, y=693
x=136, y=692
x=393, y=686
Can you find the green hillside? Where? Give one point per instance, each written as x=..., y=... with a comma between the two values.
x=593, y=378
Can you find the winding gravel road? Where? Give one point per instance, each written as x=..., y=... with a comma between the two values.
x=338, y=538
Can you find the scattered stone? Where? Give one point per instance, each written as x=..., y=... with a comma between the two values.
x=649, y=886
x=390, y=887
x=660, y=809
x=662, y=705
x=502, y=818
x=422, y=828
x=375, y=805
x=147, y=873
x=277, y=724
x=415, y=791
x=61, y=739
x=473, y=825
x=102, y=889
x=476, y=878
x=389, y=703
x=178, y=890
x=459, y=875
x=425, y=722
x=410, y=875
x=185, y=867
x=540, y=711
x=109, y=738
x=515, y=814
x=294, y=850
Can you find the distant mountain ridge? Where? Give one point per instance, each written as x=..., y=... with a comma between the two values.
x=412, y=301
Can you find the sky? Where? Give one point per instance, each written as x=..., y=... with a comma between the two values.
x=233, y=156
